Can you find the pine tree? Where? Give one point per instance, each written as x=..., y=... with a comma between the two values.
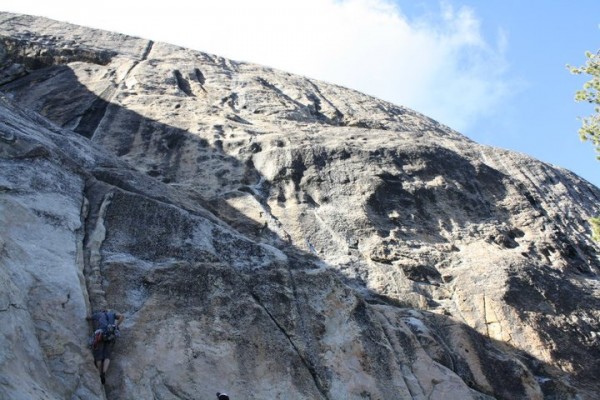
x=590, y=129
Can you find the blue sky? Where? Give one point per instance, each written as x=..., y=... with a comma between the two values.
x=539, y=116
x=492, y=69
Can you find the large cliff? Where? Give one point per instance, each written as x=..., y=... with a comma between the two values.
x=273, y=236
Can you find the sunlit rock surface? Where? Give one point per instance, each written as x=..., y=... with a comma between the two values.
x=273, y=236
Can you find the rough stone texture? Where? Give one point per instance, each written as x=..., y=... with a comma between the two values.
x=273, y=236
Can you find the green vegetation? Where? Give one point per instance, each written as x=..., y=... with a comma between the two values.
x=590, y=129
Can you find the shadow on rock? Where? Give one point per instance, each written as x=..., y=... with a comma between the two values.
x=210, y=306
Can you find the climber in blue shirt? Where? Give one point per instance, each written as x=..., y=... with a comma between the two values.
x=106, y=330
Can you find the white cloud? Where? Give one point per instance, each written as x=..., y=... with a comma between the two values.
x=440, y=65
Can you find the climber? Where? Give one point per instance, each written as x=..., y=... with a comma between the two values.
x=106, y=329
x=222, y=396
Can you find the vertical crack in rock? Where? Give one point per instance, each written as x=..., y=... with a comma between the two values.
x=89, y=122
x=485, y=317
x=147, y=50
x=387, y=363
x=94, y=115
x=92, y=247
x=80, y=257
x=307, y=363
x=386, y=324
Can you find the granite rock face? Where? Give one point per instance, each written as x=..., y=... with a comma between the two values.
x=273, y=236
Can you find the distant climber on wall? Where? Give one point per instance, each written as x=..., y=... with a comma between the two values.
x=106, y=330
x=222, y=396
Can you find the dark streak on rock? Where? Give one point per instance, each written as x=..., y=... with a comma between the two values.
x=183, y=84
